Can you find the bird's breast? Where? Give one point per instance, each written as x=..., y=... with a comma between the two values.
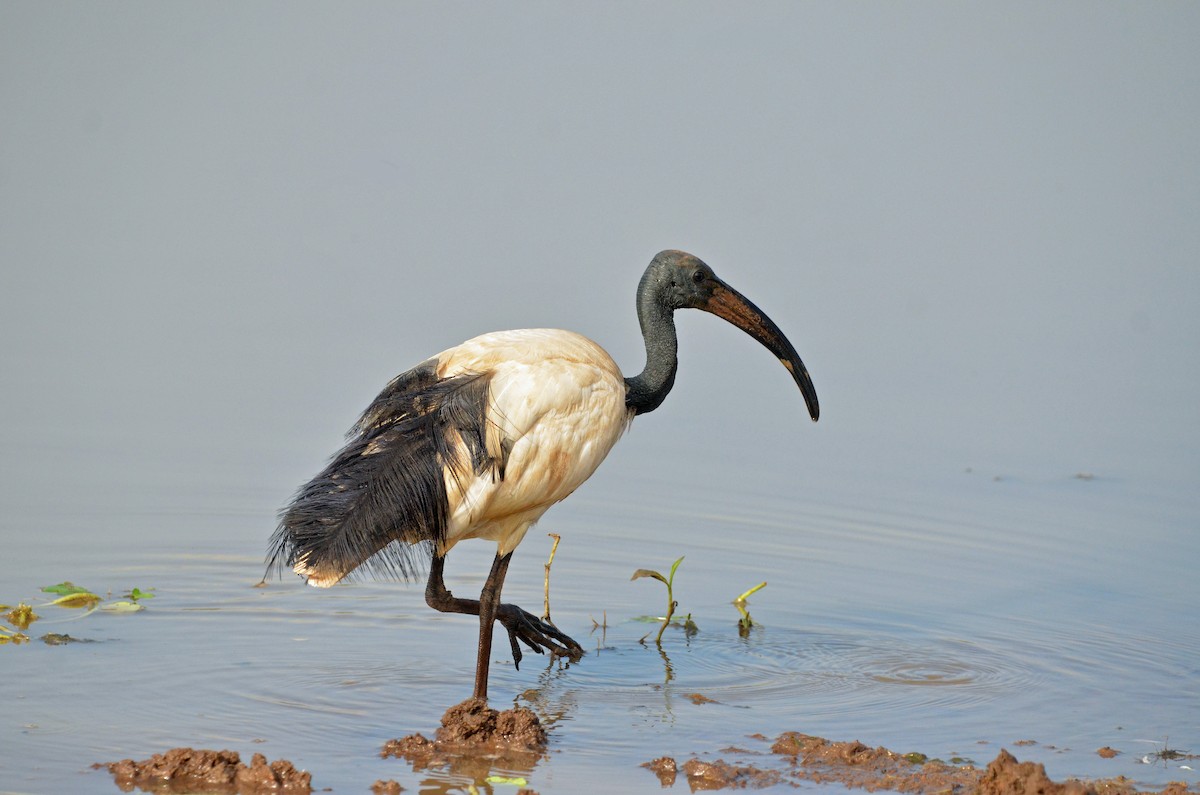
x=556, y=405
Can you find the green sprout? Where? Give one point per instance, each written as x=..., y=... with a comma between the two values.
x=745, y=622
x=668, y=581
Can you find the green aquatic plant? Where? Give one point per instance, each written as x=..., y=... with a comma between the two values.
x=77, y=600
x=72, y=595
x=136, y=594
x=745, y=622
x=65, y=588
x=668, y=581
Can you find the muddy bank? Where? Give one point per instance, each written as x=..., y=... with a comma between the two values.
x=475, y=740
x=796, y=757
x=188, y=770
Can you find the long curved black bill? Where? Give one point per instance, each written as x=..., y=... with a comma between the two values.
x=728, y=304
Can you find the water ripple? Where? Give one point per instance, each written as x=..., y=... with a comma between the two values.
x=787, y=670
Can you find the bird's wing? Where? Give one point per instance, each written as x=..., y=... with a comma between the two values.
x=388, y=483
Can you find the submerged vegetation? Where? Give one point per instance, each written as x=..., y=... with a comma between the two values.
x=69, y=596
x=21, y=616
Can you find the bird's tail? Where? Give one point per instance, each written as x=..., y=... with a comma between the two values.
x=381, y=504
x=381, y=501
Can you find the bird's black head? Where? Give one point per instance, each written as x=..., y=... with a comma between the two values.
x=678, y=280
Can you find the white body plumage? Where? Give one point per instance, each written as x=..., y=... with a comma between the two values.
x=559, y=399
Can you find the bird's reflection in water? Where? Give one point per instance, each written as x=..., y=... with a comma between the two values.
x=471, y=769
x=552, y=703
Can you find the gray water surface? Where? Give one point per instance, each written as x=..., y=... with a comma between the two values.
x=950, y=615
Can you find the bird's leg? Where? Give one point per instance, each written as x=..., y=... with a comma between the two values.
x=489, y=602
x=440, y=599
x=538, y=635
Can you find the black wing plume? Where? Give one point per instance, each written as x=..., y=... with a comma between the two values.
x=381, y=503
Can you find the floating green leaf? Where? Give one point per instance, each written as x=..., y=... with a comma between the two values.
x=515, y=781
x=64, y=589
x=138, y=593
x=77, y=599
x=123, y=607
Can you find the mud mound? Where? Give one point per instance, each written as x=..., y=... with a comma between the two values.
x=473, y=739
x=1006, y=776
x=857, y=765
x=665, y=768
x=473, y=722
x=721, y=775
x=183, y=770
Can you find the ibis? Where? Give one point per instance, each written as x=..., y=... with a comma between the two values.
x=480, y=440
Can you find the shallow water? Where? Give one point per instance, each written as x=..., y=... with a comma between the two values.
x=951, y=614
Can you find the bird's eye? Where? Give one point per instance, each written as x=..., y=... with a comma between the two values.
x=698, y=276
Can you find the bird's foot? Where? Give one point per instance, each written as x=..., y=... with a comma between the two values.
x=537, y=634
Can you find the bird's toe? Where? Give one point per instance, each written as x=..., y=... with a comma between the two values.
x=537, y=634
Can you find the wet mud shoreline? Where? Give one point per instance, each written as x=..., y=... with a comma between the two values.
x=474, y=739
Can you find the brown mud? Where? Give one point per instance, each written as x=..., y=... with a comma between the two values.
x=799, y=757
x=187, y=770
x=474, y=739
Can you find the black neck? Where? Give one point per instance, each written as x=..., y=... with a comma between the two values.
x=645, y=392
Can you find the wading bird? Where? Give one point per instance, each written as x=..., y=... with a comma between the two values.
x=480, y=440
